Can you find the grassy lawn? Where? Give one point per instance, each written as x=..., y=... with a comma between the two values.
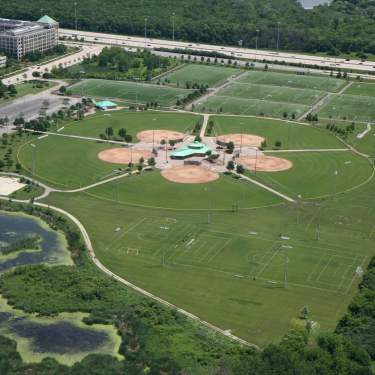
x=28, y=192
x=151, y=190
x=350, y=107
x=231, y=272
x=253, y=107
x=272, y=93
x=28, y=88
x=201, y=74
x=292, y=135
x=317, y=174
x=293, y=80
x=66, y=163
x=129, y=91
x=360, y=88
x=133, y=122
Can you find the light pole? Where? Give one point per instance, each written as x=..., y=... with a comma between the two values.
x=256, y=44
x=41, y=12
x=75, y=15
x=145, y=31
x=34, y=156
x=278, y=35
x=173, y=25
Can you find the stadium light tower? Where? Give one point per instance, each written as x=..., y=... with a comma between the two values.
x=278, y=35
x=34, y=156
x=256, y=43
x=145, y=28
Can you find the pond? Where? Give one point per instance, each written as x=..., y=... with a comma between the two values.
x=52, y=246
x=64, y=337
x=308, y=4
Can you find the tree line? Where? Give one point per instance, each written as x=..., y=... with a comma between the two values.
x=343, y=26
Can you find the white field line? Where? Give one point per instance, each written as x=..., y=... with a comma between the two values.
x=310, y=150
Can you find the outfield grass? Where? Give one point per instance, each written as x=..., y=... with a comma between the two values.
x=202, y=74
x=272, y=93
x=317, y=174
x=129, y=91
x=292, y=135
x=231, y=272
x=254, y=107
x=293, y=80
x=350, y=107
x=133, y=122
x=152, y=190
x=66, y=163
x=364, y=89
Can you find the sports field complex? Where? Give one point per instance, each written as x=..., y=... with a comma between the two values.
x=243, y=251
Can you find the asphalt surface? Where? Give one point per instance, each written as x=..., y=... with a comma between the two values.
x=245, y=53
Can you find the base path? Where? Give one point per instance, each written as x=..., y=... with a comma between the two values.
x=265, y=163
x=246, y=140
x=189, y=174
x=158, y=135
x=124, y=155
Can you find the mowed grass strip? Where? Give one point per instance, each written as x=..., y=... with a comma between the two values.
x=209, y=269
x=253, y=107
x=317, y=174
x=293, y=80
x=350, y=107
x=66, y=162
x=363, y=89
x=202, y=74
x=292, y=135
x=152, y=190
x=131, y=91
x=133, y=122
x=272, y=93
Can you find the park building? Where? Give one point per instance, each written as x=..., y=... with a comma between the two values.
x=18, y=38
x=3, y=61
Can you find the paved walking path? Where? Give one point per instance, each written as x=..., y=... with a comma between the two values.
x=206, y=117
x=365, y=132
x=265, y=187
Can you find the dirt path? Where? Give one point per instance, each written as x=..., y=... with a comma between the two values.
x=206, y=118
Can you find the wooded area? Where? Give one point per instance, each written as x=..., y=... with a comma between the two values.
x=344, y=26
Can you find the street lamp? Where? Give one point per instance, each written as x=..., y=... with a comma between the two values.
x=75, y=15
x=173, y=25
x=278, y=35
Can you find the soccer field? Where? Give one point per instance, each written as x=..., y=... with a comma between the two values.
x=130, y=91
x=233, y=268
x=202, y=74
x=364, y=89
x=253, y=107
x=350, y=107
x=272, y=93
x=293, y=80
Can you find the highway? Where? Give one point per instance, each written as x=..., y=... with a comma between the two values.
x=234, y=52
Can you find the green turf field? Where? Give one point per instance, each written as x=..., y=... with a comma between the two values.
x=272, y=93
x=253, y=107
x=316, y=174
x=292, y=135
x=65, y=162
x=152, y=190
x=129, y=91
x=199, y=73
x=236, y=271
x=360, y=88
x=350, y=107
x=293, y=80
x=133, y=122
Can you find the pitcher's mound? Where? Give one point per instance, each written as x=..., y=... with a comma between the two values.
x=150, y=136
x=265, y=163
x=123, y=155
x=247, y=140
x=189, y=174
